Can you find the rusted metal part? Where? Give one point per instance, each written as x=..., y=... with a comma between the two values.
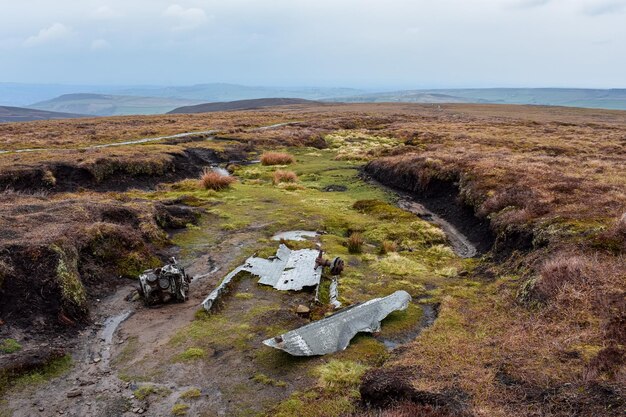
x=287, y=271
x=334, y=333
x=336, y=265
x=164, y=284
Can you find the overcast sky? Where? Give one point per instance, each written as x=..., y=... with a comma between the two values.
x=354, y=43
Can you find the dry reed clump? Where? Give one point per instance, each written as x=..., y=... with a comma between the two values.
x=388, y=246
x=276, y=158
x=355, y=243
x=284, y=176
x=212, y=180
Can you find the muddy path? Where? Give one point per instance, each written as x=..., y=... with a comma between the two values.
x=205, y=134
x=96, y=386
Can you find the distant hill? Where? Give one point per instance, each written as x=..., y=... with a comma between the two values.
x=241, y=105
x=406, y=97
x=571, y=97
x=110, y=105
x=216, y=92
x=20, y=114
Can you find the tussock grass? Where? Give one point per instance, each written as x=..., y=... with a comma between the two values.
x=277, y=158
x=212, y=180
x=180, y=409
x=337, y=376
x=191, y=354
x=355, y=243
x=281, y=176
x=191, y=393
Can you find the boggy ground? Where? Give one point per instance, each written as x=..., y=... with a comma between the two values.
x=171, y=353
x=535, y=327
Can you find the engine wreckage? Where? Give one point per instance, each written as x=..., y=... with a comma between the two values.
x=161, y=285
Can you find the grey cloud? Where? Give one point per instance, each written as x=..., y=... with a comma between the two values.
x=597, y=8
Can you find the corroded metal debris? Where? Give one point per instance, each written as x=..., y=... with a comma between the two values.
x=160, y=285
x=288, y=270
x=334, y=333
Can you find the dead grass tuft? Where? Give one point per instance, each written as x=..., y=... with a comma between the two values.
x=388, y=246
x=355, y=243
x=281, y=176
x=277, y=158
x=560, y=272
x=212, y=180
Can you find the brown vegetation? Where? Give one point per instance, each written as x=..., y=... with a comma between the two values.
x=212, y=180
x=284, y=176
x=534, y=328
x=276, y=158
x=355, y=243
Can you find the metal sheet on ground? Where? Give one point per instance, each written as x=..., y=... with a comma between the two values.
x=334, y=333
x=287, y=271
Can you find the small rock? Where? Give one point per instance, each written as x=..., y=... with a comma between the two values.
x=141, y=411
x=96, y=360
x=74, y=393
x=303, y=310
x=84, y=382
x=41, y=409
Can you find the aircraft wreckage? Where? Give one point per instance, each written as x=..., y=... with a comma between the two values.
x=334, y=333
x=295, y=270
x=288, y=270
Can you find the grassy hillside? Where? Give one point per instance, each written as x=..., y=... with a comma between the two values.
x=20, y=114
x=110, y=105
x=242, y=105
x=570, y=97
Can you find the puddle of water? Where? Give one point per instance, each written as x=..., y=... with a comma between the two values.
x=221, y=171
x=297, y=235
x=110, y=326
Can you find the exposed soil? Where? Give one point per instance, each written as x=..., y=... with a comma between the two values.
x=441, y=205
x=147, y=331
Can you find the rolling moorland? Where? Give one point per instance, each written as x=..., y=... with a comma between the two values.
x=125, y=100
x=111, y=105
x=533, y=325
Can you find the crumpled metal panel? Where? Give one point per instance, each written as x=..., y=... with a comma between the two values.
x=334, y=333
x=334, y=294
x=208, y=302
x=287, y=271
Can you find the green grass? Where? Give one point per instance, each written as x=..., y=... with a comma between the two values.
x=191, y=354
x=191, y=394
x=147, y=390
x=180, y=409
x=53, y=369
x=10, y=346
